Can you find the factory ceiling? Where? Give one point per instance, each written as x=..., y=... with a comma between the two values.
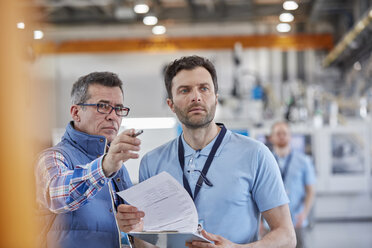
x=70, y=17
x=88, y=12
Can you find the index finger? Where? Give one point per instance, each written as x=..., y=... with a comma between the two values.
x=127, y=136
x=124, y=208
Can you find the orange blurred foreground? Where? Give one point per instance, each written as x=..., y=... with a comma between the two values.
x=18, y=144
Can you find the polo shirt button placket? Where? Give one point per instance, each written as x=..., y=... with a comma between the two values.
x=195, y=175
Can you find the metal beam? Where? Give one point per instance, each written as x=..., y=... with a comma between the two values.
x=283, y=42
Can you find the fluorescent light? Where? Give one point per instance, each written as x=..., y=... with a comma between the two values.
x=150, y=20
x=283, y=27
x=290, y=5
x=141, y=8
x=21, y=25
x=286, y=17
x=159, y=29
x=357, y=66
x=149, y=123
x=38, y=34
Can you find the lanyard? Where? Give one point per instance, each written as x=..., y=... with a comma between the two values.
x=181, y=158
x=286, y=165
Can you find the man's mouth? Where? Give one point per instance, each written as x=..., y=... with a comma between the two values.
x=196, y=109
x=111, y=128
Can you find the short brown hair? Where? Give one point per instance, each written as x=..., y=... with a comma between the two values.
x=188, y=63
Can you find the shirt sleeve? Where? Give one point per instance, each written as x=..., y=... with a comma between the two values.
x=310, y=177
x=60, y=189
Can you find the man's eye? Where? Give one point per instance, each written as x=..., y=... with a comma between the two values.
x=184, y=91
x=103, y=105
x=204, y=88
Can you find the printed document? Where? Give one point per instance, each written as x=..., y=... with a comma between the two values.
x=167, y=205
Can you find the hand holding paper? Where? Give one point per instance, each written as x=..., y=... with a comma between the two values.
x=219, y=241
x=129, y=218
x=167, y=207
x=166, y=204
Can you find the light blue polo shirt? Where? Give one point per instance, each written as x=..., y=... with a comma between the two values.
x=300, y=173
x=245, y=177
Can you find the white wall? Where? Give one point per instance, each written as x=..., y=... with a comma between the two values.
x=144, y=90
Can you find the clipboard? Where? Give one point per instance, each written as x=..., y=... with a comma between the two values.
x=169, y=239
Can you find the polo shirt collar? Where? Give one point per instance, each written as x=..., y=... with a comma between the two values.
x=207, y=149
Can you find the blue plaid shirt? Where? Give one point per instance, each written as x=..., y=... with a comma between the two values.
x=62, y=189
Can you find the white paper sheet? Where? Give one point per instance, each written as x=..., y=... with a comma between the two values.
x=167, y=205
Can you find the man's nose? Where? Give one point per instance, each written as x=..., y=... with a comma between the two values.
x=112, y=115
x=196, y=96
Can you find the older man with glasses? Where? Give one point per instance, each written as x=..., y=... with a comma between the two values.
x=77, y=179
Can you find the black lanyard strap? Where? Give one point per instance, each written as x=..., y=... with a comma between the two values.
x=286, y=165
x=181, y=159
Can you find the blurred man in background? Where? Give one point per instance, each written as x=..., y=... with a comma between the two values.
x=77, y=179
x=298, y=176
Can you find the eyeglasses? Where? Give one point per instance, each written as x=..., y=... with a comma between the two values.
x=105, y=108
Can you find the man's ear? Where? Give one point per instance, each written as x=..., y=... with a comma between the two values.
x=217, y=98
x=74, y=111
x=170, y=104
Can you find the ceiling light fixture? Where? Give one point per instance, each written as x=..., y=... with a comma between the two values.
x=290, y=5
x=158, y=30
x=286, y=17
x=283, y=27
x=141, y=8
x=150, y=20
x=38, y=34
x=357, y=66
x=21, y=25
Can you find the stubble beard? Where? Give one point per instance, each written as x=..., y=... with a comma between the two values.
x=282, y=144
x=199, y=122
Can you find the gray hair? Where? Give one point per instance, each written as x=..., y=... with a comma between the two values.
x=79, y=92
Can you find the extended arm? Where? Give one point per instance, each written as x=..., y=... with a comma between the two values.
x=61, y=189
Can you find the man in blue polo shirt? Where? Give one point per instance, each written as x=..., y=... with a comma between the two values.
x=231, y=178
x=298, y=176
